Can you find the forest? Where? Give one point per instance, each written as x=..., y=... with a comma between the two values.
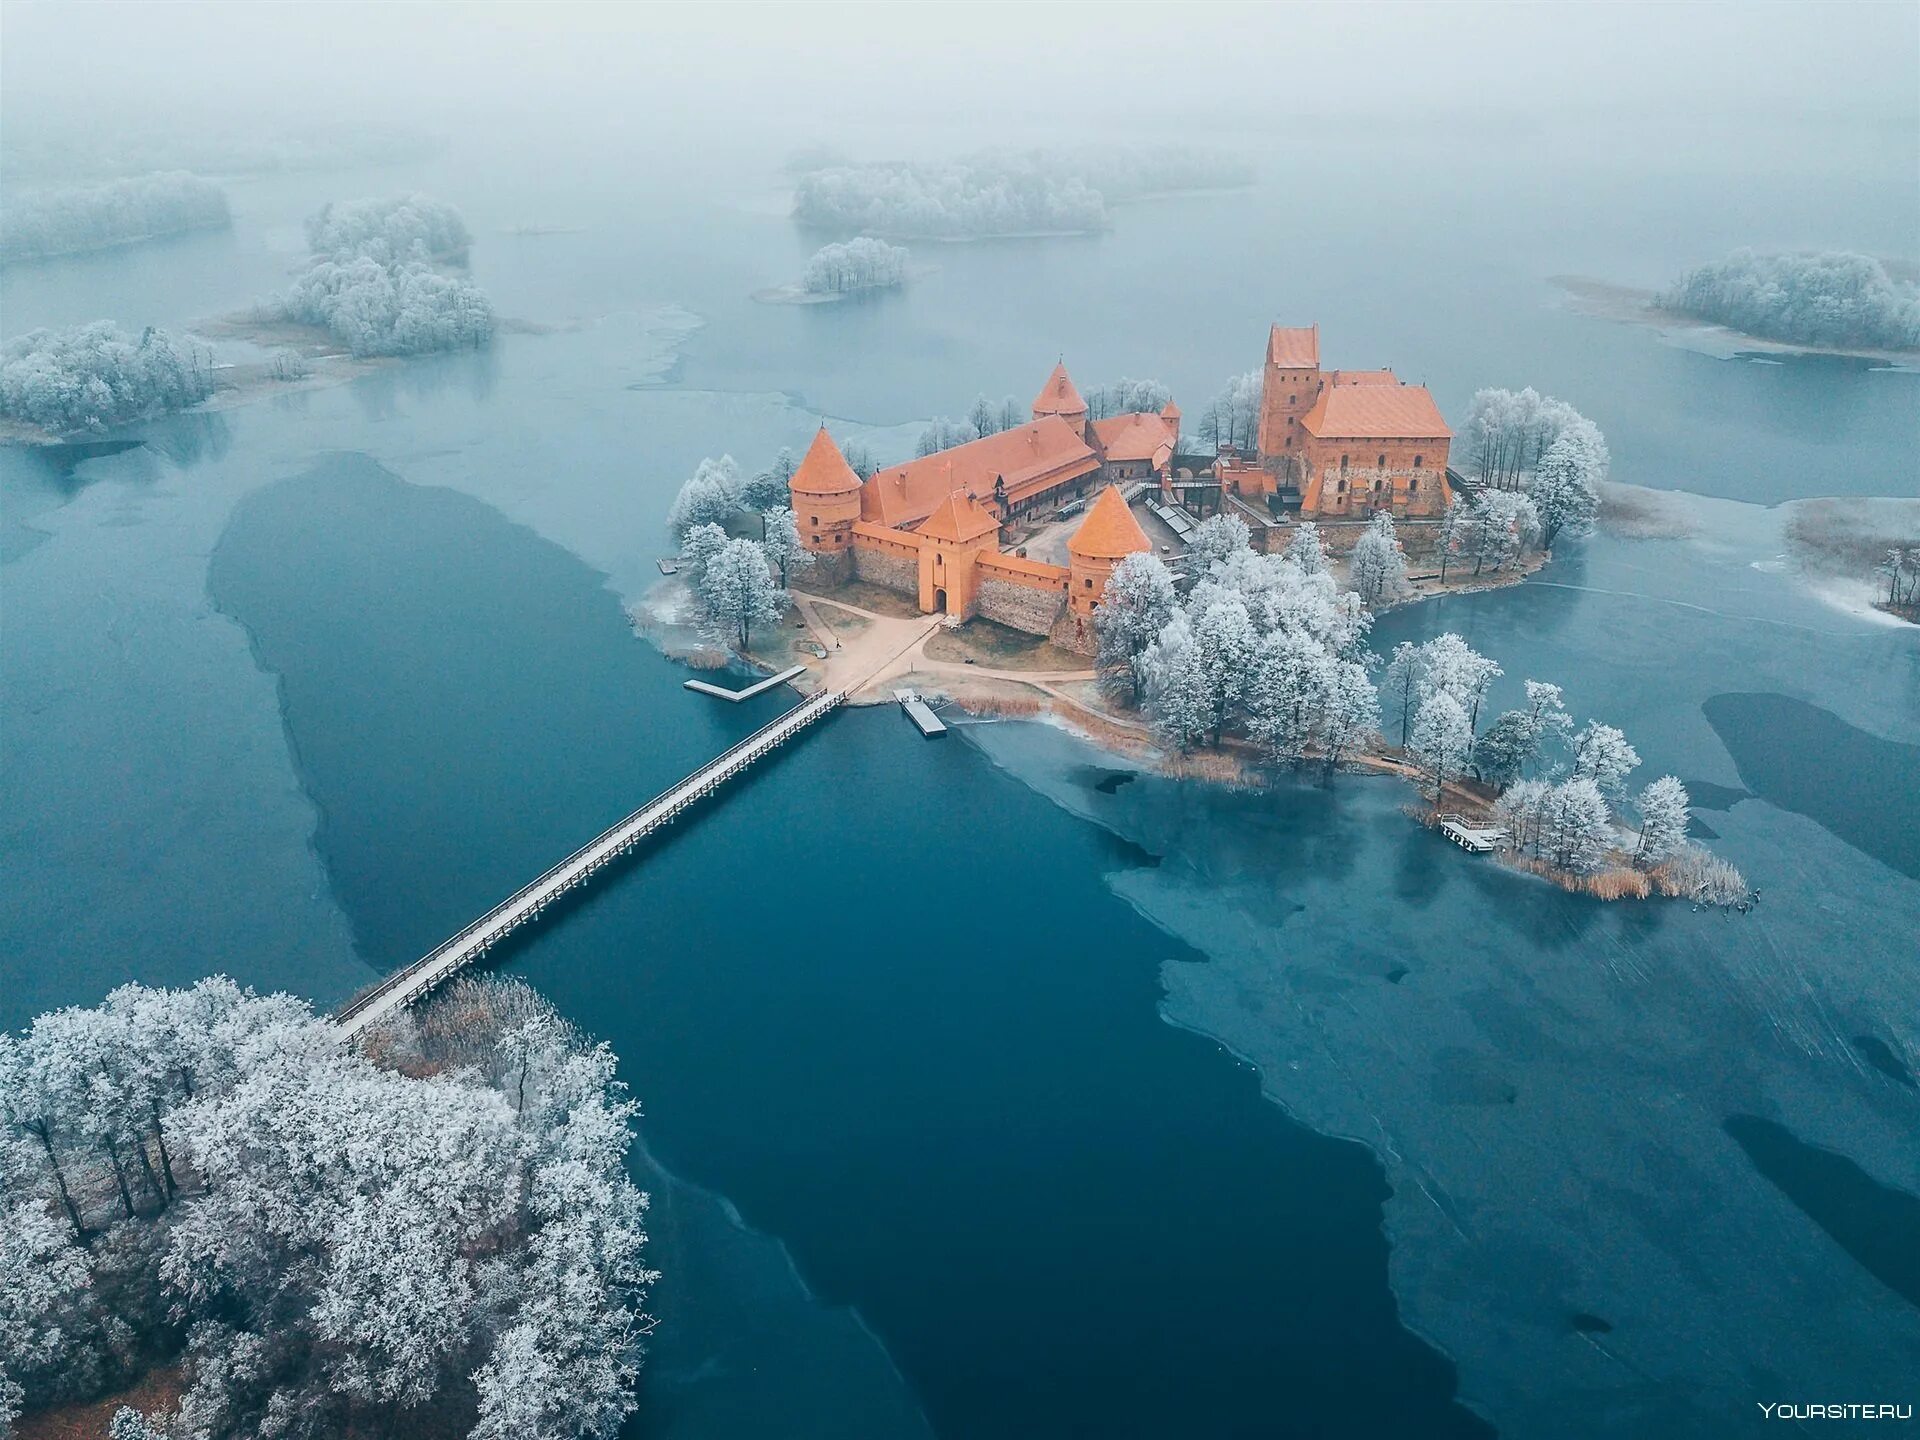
x=40, y=224
x=433, y=1234
x=373, y=285
x=1003, y=192
x=89, y=377
x=1833, y=297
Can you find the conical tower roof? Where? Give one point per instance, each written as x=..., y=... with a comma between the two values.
x=1109, y=531
x=1057, y=396
x=960, y=518
x=824, y=471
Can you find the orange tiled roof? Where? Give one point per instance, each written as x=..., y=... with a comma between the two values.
x=1135, y=437
x=1171, y=411
x=1057, y=396
x=960, y=518
x=1373, y=409
x=1294, y=349
x=824, y=471
x=1109, y=531
x=1363, y=377
x=1030, y=458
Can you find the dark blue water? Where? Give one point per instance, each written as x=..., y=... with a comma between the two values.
x=1050, y=1207
x=879, y=996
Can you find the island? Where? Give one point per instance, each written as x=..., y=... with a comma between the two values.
x=1207, y=616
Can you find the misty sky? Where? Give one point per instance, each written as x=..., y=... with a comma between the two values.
x=695, y=73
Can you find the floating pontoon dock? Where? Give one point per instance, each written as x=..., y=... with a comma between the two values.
x=1474, y=835
x=931, y=725
x=736, y=696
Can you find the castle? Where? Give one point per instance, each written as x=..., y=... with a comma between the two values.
x=1342, y=444
x=932, y=527
x=1335, y=445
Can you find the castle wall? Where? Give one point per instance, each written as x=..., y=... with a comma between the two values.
x=831, y=570
x=1017, y=606
x=885, y=557
x=1379, y=475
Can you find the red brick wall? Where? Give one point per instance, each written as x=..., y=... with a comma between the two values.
x=1378, y=475
x=1285, y=395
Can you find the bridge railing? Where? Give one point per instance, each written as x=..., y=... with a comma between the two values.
x=464, y=939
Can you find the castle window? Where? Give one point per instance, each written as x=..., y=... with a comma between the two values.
x=816, y=539
x=813, y=519
x=1383, y=462
x=1343, y=467
x=1413, y=486
x=1416, y=461
x=1089, y=584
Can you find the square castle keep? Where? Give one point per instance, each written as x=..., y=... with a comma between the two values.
x=1341, y=445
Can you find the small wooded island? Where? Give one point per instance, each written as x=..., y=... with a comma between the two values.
x=1208, y=609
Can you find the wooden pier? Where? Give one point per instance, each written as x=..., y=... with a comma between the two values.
x=759, y=688
x=403, y=987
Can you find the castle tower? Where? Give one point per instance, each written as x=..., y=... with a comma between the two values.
x=1291, y=383
x=826, y=502
x=1106, y=537
x=1171, y=414
x=1058, y=397
x=951, y=540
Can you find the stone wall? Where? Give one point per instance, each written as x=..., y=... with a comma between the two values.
x=830, y=570
x=1019, y=607
x=882, y=567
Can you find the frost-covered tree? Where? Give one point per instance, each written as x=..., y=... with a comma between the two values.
x=1377, y=568
x=735, y=591
x=943, y=434
x=766, y=489
x=93, y=376
x=1441, y=739
x=1507, y=433
x=1403, y=684
x=1499, y=525
x=1216, y=540
x=1665, y=813
x=1350, y=713
x=1575, y=828
x=1601, y=754
x=1455, y=667
x=1179, y=685
x=862, y=263
x=711, y=495
x=984, y=417
x=1225, y=634
x=1305, y=549
x=1831, y=298
x=1566, y=487
x=353, y=1231
x=782, y=543
x=1135, y=605
x=1515, y=740
x=37, y=224
x=1291, y=680
x=703, y=542
x=1232, y=417
x=1449, y=533
x=859, y=459
x=1127, y=397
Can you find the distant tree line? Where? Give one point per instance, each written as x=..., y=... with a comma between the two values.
x=1833, y=297
x=89, y=377
x=43, y=223
x=1127, y=397
x=431, y=1232
x=373, y=286
x=862, y=263
x=1002, y=192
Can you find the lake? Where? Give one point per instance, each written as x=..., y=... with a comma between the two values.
x=984, y=1094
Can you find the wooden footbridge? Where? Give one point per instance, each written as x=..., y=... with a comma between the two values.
x=403, y=987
